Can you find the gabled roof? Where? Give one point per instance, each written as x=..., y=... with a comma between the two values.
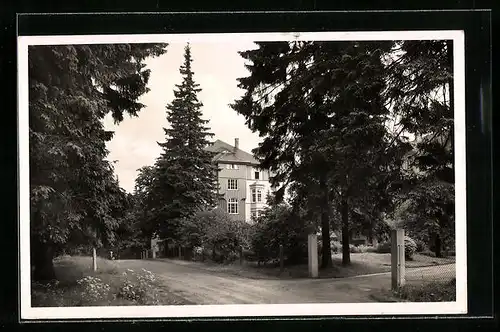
x=227, y=153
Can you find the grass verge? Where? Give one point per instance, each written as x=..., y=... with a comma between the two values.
x=428, y=292
x=361, y=264
x=78, y=285
x=425, y=292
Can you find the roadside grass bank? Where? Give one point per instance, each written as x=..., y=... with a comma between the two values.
x=78, y=285
x=435, y=291
x=361, y=264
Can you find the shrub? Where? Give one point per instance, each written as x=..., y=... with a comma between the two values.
x=279, y=226
x=354, y=249
x=384, y=247
x=371, y=249
x=410, y=248
x=94, y=290
x=336, y=246
x=139, y=287
x=215, y=232
x=365, y=248
x=421, y=245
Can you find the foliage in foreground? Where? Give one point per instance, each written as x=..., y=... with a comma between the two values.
x=75, y=197
x=338, y=118
x=428, y=292
x=277, y=226
x=132, y=288
x=215, y=235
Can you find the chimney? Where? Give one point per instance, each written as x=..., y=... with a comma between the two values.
x=236, y=143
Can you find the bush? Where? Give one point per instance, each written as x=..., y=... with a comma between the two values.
x=93, y=290
x=215, y=232
x=421, y=245
x=354, y=249
x=336, y=246
x=410, y=248
x=384, y=247
x=279, y=226
x=139, y=287
x=365, y=248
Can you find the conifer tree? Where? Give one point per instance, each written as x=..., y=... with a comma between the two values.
x=185, y=175
x=318, y=106
x=74, y=197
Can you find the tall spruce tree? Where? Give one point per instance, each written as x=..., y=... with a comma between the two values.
x=74, y=195
x=185, y=175
x=319, y=107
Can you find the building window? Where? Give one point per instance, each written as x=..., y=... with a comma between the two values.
x=232, y=206
x=232, y=166
x=256, y=195
x=256, y=214
x=232, y=184
x=257, y=175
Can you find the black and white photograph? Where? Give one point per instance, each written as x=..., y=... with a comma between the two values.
x=242, y=174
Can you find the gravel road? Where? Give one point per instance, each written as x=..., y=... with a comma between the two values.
x=200, y=286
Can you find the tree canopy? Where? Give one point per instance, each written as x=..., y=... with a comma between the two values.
x=75, y=196
x=335, y=118
x=183, y=179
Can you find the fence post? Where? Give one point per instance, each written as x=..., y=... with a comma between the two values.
x=313, y=255
x=397, y=258
x=180, y=252
x=94, y=259
x=282, y=262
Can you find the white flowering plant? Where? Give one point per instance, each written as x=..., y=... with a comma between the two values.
x=139, y=287
x=94, y=290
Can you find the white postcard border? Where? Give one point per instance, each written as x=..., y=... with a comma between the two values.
x=285, y=310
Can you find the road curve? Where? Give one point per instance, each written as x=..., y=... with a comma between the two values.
x=200, y=286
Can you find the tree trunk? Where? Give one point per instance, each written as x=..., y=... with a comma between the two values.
x=42, y=260
x=437, y=248
x=346, y=253
x=326, y=254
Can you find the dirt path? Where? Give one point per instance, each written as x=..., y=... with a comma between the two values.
x=208, y=287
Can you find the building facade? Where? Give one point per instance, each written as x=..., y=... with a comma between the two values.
x=242, y=186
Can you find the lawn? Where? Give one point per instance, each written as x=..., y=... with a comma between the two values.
x=361, y=264
x=110, y=285
x=435, y=291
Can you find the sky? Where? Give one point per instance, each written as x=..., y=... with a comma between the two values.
x=216, y=67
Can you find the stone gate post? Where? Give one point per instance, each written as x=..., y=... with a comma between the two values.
x=397, y=258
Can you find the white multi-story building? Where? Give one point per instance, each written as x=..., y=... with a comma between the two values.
x=243, y=186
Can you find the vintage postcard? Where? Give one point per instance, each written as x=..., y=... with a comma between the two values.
x=242, y=175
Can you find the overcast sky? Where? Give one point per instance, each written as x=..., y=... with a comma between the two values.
x=216, y=67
